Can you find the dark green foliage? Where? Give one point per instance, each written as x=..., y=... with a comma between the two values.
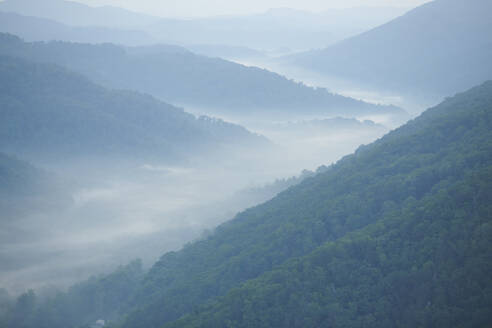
x=102, y=297
x=409, y=204
x=177, y=76
x=425, y=264
x=48, y=110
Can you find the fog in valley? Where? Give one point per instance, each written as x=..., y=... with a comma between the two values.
x=130, y=129
x=413, y=103
x=105, y=211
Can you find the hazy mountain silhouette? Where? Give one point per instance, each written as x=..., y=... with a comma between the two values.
x=77, y=14
x=275, y=29
x=176, y=76
x=41, y=29
x=438, y=48
x=49, y=111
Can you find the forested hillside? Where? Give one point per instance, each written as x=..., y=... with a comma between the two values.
x=424, y=264
x=49, y=111
x=397, y=234
x=143, y=184
x=186, y=78
x=409, y=213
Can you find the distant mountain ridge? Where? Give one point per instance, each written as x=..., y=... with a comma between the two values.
x=185, y=78
x=77, y=14
x=439, y=48
x=276, y=28
x=41, y=29
x=49, y=111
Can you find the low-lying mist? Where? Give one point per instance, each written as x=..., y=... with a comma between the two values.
x=414, y=104
x=113, y=212
x=105, y=222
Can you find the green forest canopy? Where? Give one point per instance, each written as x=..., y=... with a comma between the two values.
x=397, y=234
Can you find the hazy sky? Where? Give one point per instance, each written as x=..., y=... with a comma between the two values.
x=185, y=8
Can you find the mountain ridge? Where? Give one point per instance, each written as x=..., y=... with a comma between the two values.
x=52, y=111
x=438, y=48
x=77, y=14
x=192, y=80
x=42, y=29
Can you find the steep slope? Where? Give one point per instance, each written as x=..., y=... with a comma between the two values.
x=78, y=14
x=48, y=111
x=439, y=48
x=185, y=78
x=425, y=264
x=40, y=29
x=402, y=179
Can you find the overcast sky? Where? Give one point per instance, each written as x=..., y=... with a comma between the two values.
x=188, y=8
